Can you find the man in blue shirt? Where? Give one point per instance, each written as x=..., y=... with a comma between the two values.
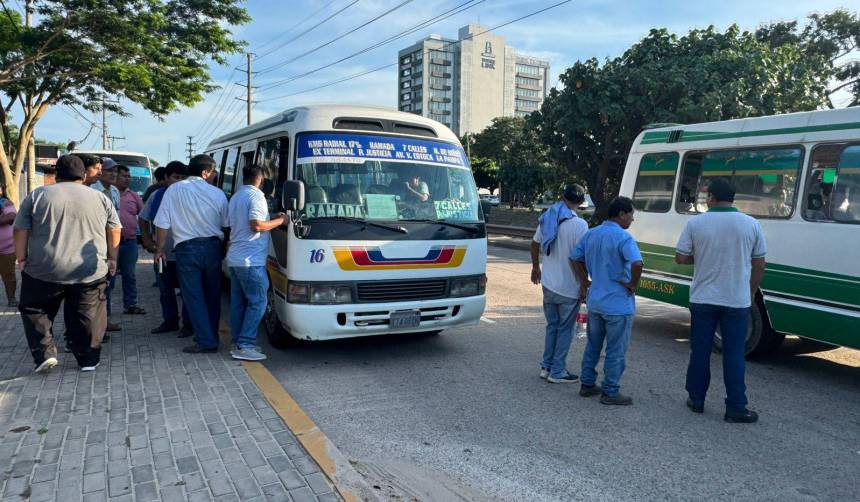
x=249, y=248
x=611, y=257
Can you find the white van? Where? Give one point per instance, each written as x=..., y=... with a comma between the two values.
x=362, y=253
x=799, y=175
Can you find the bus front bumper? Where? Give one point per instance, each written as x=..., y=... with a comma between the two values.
x=330, y=322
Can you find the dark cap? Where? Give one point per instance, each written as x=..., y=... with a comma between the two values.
x=71, y=167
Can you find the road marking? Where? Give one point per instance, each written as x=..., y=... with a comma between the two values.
x=349, y=484
x=490, y=321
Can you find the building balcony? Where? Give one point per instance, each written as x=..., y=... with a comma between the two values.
x=529, y=75
x=440, y=100
x=440, y=74
x=437, y=87
x=440, y=62
x=537, y=99
x=439, y=112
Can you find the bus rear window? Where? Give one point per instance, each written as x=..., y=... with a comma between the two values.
x=765, y=179
x=655, y=182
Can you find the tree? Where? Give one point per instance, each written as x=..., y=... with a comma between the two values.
x=590, y=123
x=152, y=52
x=486, y=172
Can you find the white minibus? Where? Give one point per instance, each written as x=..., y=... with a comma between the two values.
x=799, y=175
x=138, y=164
x=386, y=232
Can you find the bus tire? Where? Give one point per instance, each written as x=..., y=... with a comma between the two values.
x=761, y=338
x=278, y=336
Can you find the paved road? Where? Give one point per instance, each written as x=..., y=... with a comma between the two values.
x=467, y=409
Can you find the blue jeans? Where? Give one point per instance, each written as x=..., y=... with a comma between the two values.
x=248, y=296
x=704, y=319
x=167, y=283
x=126, y=264
x=615, y=330
x=198, y=264
x=111, y=282
x=560, y=312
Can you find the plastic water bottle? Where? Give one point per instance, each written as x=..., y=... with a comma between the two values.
x=582, y=321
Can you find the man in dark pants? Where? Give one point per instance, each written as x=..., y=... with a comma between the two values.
x=195, y=214
x=52, y=222
x=165, y=276
x=728, y=250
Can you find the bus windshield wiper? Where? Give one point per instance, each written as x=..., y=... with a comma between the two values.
x=363, y=222
x=450, y=224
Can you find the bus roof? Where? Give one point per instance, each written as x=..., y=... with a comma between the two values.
x=322, y=117
x=107, y=153
x=825, y=125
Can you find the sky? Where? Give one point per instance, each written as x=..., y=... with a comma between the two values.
x=580, y=29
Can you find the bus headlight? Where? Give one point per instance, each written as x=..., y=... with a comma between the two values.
x=298, y=293
x=468, y=286
x=329, y=294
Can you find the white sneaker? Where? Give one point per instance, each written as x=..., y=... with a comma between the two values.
x=90, y=368
x=544, y=373
x=47, y=364
x=247, y=354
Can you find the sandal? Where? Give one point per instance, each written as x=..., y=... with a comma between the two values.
x=135, y=310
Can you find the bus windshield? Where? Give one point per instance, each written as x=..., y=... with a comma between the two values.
x=385, y=178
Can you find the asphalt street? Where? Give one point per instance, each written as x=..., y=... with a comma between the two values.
x=464, y=413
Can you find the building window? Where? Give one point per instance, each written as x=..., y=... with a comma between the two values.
x=655, y=182
x=406, y=108
x=405, y=60
x=527, y=105
x=528, y=93
x=406, y=96
x=765, y=179
x=531, y=82
x=405, y=85
x=406, y=72
x=528, y=69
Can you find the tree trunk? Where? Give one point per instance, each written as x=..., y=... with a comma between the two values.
x=31, y=165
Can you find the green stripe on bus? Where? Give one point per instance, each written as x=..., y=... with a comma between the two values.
x=688, y=136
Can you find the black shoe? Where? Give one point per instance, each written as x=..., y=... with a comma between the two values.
x=196, y=349
x=589, y=390
x=185, y=332
x=695, y=407
x=744, y=417
x=617, y=400
x=165, y=327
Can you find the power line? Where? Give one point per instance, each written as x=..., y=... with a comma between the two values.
x=227, y=125
x=339, y=37
x=291, y=28
x=428, y=22
x=444, y=48
x=235, y=108
x=332, y=16
x=213, y=123
x=218, y=102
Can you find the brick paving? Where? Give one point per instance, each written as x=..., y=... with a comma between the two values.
x=151, y=423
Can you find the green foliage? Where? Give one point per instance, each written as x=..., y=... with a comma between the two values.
x=590, y=123
x=152, y=52
x=486, y=172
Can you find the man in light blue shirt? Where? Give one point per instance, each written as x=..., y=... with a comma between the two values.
x=249, y=248
x=611, y=257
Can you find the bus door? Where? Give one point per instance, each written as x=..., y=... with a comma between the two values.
x=272, y=155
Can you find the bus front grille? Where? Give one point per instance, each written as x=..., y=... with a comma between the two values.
x=392, y=291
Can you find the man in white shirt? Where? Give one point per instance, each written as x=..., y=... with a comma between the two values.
x=195, y=214
x=727, y=249
x=249, y=248
x=559, y=231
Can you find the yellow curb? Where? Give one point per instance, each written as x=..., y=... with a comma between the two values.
x=348, y=483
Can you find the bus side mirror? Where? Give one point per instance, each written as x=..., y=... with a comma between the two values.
x=293, y=195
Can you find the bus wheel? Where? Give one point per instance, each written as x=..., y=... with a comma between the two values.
x=279, y=337
x=761, y=338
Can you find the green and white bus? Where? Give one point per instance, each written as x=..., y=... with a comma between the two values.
x=799, y=175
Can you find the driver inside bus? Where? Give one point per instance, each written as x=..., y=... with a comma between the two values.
x=416, y=190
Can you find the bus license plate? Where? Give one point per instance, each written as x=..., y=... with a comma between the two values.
x=405, y=319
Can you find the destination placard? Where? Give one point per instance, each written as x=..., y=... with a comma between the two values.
x=358, y=148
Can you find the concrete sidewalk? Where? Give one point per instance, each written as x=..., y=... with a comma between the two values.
x=151, y=423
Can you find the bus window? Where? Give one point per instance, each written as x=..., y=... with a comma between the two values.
x=765, y=180
x=273, y=162
x=228, y=171
x=655, y=182
x=817, y=204
x=846, y=187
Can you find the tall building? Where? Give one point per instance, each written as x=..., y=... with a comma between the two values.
x=466, y=83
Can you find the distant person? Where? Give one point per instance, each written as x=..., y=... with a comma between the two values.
x=246, y=257
x=93, y=166
x=160, y=174
x=558, y=232
x=415, y=189
x=166, y=280
x=727, y=250
x=106, y=184
x=130, y=206
x=195, y=214
x=49, y=175
x=7, y=247
x=611, y=257
x=66, y=240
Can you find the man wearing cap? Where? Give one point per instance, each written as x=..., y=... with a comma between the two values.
x=195, y=214
x=727, y=250
x=66, y=241
x=106, y=184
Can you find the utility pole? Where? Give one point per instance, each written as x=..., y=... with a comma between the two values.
x=169, y=156
x=104, y=123
x=190, y=148
x=113, y=140
x=249, y=102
